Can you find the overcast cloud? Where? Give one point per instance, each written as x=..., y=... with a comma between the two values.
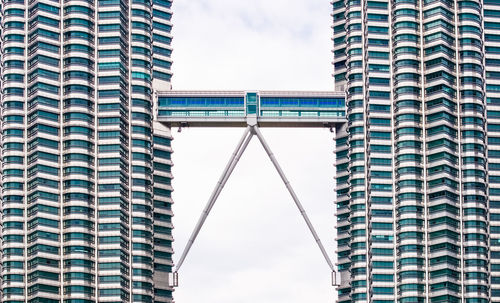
x=254, y=246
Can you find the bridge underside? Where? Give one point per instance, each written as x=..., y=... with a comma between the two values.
x=243, y=123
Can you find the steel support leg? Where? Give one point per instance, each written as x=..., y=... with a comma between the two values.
x=231, y=168
x=294, y=196
x=240, y=148
x=235, y=157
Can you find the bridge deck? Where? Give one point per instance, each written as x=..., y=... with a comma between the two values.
x=233, y=108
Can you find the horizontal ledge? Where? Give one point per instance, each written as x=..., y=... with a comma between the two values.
x=243, y=123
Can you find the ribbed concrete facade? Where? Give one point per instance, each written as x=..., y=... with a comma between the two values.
x=86, y=193
x=418, y=163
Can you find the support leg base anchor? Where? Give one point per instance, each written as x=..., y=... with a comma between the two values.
x=335, y=280
x=173, y=279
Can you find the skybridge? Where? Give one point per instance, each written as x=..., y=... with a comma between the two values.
x=252, y=110
x=234, y=108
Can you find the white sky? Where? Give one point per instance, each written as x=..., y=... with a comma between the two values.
x=255, y=246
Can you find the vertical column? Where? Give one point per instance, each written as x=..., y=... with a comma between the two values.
x=114, y=247
x=162, y=175
x=343, y=213
x=350, y=152
x=14, y=50
x=473, y=153
x=409, y=136
x=378, y=151
x=44, y=183
x=78, y=112
x=141, y=151
x=491, y=109
x=442, y=126
x=162, y=212
x=162, y=39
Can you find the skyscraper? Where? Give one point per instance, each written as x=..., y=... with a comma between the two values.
x=418, y=161
x=86, y=194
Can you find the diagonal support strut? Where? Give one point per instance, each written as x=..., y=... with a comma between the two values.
x=250, y=131
x=240, y=148
x=269, y=152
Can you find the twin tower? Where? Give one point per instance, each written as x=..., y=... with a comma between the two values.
x=86, y=154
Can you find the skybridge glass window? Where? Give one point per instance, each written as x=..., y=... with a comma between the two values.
x=200, y=102
x=301, y=102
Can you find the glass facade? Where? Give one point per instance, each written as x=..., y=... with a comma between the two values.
x=86, y=184
x=418, y=162
x=200, y=104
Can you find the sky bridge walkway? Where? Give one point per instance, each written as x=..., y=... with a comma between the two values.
x=233, y=108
